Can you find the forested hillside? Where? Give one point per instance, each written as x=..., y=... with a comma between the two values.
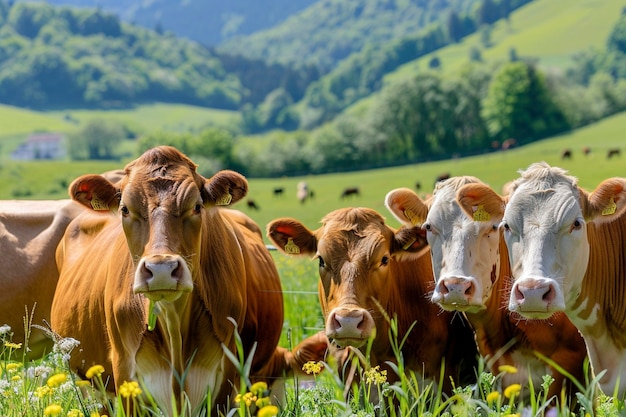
x=209, y=22
x=53, y=57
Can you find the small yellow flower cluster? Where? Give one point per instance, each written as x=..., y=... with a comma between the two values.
x=493, y=397
x=43, y=391
x=75, y=413
x=257, y=397
x=512, y=390
x=12, y=345
x=52, y=410
x=130, y=389
x=94, y=371
x=56, y=380
x=507, y=369
x=313, y=367
x=375, y=376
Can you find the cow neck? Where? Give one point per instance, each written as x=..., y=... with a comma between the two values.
x=604, y=284
x=494, y=325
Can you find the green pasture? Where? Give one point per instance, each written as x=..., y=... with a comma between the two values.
x=551, y=31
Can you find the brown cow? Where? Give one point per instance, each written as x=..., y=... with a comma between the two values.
x=366, y=276
x=566, y=154
x=347, y=192
x=472, y=273
x=29, y=234
x=567, y=250
x=150, y=274
x=613, y=152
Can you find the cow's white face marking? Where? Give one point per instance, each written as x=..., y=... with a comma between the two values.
x=546, y=236
x=465, y=254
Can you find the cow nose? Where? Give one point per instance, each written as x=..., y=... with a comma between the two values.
x=454, y=290
x=349, y=324
x=162, y=273
x=533, y=294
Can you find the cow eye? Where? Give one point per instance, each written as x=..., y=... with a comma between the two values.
x=385, y=260
x=197, y=209
x=124, y=211
x=427, y=227
x=506, y=227
x=577, y=225
x=494, y=227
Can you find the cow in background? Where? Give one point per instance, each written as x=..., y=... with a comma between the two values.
x=151, y=273
x=302, y=191
x=472, y=275
x=370, y=273
x=613, y=152
x=567, y=251
x=350, y=191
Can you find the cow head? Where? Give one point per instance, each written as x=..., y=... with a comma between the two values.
x=545, y=229
x=462, y=231
x=355, y=250
x=163, y=203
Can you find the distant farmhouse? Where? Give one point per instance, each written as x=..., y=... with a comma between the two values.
x=41, y=146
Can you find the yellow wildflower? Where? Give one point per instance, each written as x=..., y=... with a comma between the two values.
x=12, y=345
x=492, y=397
x=130, y=389
x=268, y=411
x=258, y=388
x=512, y=390
x=83, y=383
x=508, y=369
x=95, y=370
x=52, y=410
x=313, y=367
x=262, y=402
x=13, y=366
x=513, y=415
x=375, y=376
x=41, y=392
x=75, y=413
x=16, y=378
x=56, y=380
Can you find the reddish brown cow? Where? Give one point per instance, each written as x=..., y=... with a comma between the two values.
x=29, y=234
x=366, y=276
x=472, y=275
x=150, y=274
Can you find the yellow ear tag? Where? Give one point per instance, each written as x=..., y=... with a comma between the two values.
x=291, y=247
x=98, y=204
x=409, y=214
x=481, y=215
x=610, y=209
x=224, y=200
x=409, y=243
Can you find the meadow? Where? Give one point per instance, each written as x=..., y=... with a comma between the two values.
x=21, y=388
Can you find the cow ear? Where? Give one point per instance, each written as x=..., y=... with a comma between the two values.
x=606, y=202
x=480, y=202
x=95, y=192
x=409, y=239
x=406, y=206
x=225, y=188
x=292, y=237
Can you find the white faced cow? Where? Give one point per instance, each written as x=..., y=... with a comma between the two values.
x=472, y=275
x=567, y=249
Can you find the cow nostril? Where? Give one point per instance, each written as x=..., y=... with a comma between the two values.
x=549, y=294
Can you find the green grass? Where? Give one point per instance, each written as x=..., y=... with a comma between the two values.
x=550, y=30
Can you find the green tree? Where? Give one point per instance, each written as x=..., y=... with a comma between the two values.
x=617, y=38
x=98, y=139
x=519, y=105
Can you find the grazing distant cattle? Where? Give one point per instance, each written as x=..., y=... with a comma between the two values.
x=586, y=150
x=369, y=273
x=472, y=272
x=567, y=250
x=252, y=204
x=347, y=192
x=302, y=191
x=613, y=152
x=418, y=185
x=151, y=273
x=442, y=177
x=29, y=234
x=509, y=144
x=279, y=191
x=566, y=154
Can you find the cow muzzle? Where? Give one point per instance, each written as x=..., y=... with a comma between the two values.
x=457, y=293
x=536, y=298
x=349, y=327
x=162, y=277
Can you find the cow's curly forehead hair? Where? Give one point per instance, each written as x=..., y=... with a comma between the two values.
x=162, y=163
x=545, y=177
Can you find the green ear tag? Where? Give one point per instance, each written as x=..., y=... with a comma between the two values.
x=481, y=215
x=153, y=312
x=98, y=204
x=224, y=200
x=291, y=247
x=610, y=209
